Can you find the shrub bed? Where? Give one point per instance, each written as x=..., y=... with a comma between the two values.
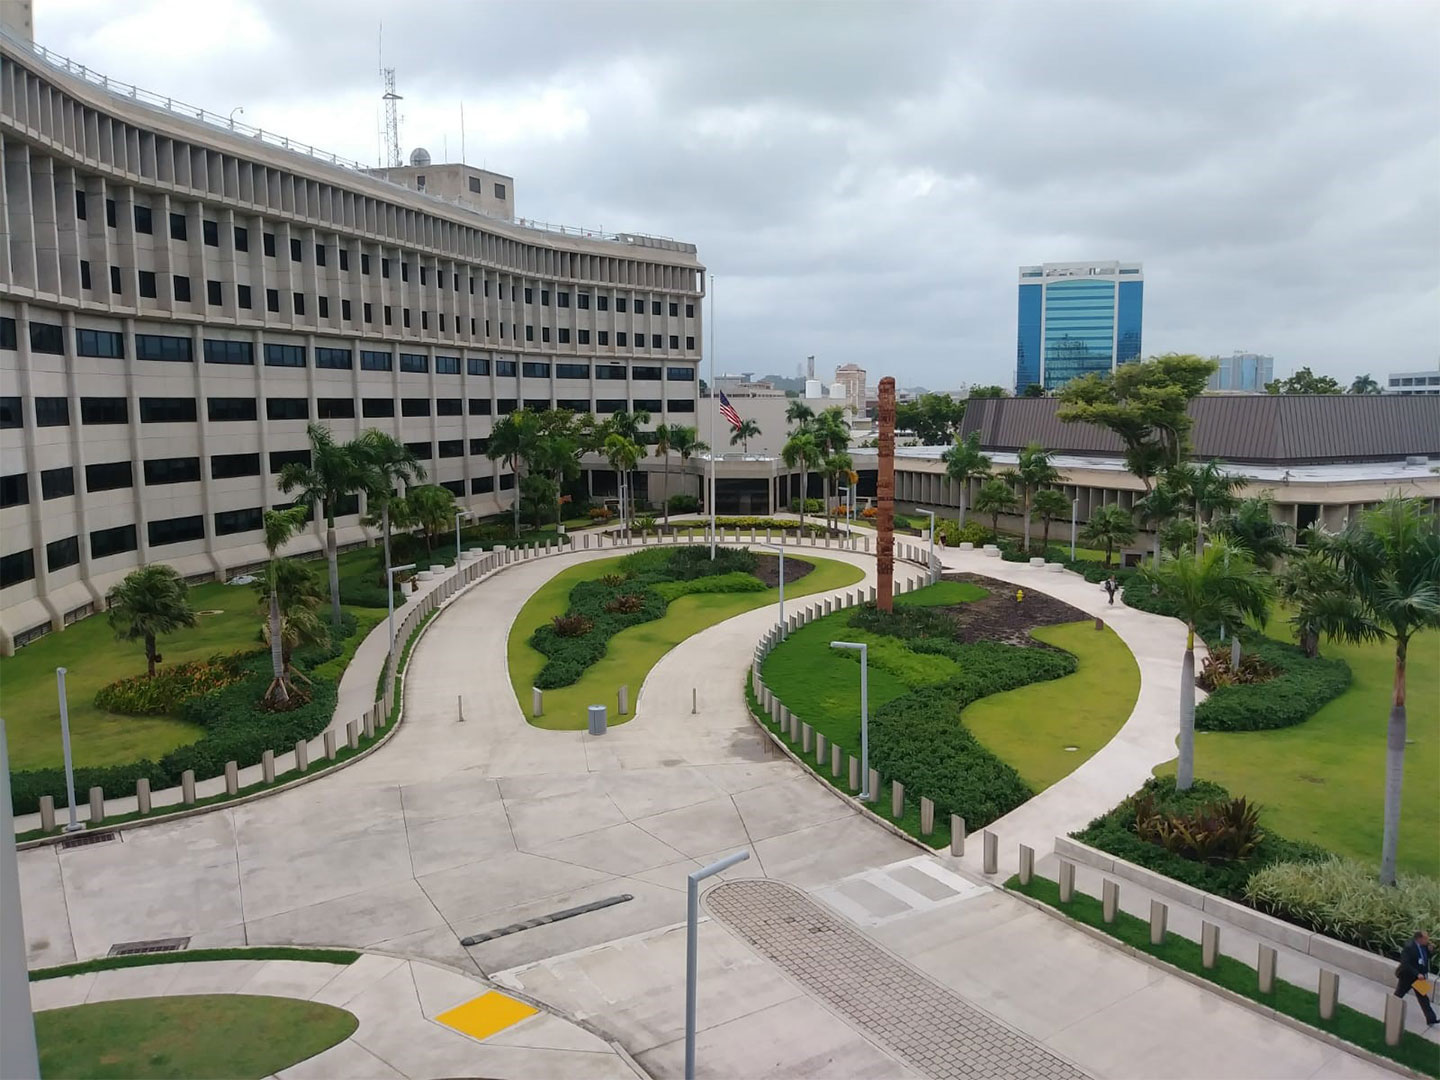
x=683, y=504
x=1115, y=832
x=1301, y=687
x=141, y=695
x=236, y=729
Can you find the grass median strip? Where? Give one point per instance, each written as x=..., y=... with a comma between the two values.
x=195, y=956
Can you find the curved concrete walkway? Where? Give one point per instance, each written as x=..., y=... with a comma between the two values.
x=396, y=1002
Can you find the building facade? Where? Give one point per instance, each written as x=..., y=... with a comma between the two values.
x=178, y=300
x=1410, y=383
x=852, y=378
x=1243, y=372
x=1075, y=319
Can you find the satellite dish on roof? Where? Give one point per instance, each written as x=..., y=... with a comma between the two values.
x=420, y=156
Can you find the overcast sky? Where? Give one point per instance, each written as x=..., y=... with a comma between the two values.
x=863, y=180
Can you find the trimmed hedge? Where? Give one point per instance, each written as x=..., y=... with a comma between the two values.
x=1303, y=687
x=1114, y=831
x=236, y=729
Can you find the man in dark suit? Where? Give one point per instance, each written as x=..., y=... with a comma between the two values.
x=1415, y=964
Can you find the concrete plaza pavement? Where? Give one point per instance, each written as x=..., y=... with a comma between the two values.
x=457, y=828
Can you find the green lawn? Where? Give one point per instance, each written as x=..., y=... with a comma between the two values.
x=1324, y=780
x=195, y=1037
x=1031, y=726
x=634, y=651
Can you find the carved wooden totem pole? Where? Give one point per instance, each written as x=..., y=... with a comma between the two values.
x=885, y=496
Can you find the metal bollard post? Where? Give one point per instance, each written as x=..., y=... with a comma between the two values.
x=267, y=766
x=897, y=799
x=991, y=860
x=694, y=700
x=1110, y=900
x=1265, y=969
x=1027, y=864
x=302, y=755
x=1209, y=944
x=232, y=778
x=957, y=835
x=97, y=805
x=1329, y=993
x=927, y=816
x=537, y=701
x=1067, y=881
x=142, y=794
x=1159, y=916
x=187, y=787
x=47, y=813
x=330, y=745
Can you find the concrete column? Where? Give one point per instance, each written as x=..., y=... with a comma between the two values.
x=991, y=861
x=835, y=761
x=330, y=745
x=142, y=794
x=1209, y=944
x=897, y=799
x=302, y=755
x=819, y=748
x=623, y=699
x=1027, y=864
x=957, y=835
x=874, y=785
x=1394, y=1019
x=187, y=787
x=1110, y=900
x=1159, y=916
x=1265, y=969
x=47, y=813
x=854, y=773
x=1067, y=881
x=232, y=778
x=927, y=816
x=267, y=766
x=806, y=734
x=1329, y=993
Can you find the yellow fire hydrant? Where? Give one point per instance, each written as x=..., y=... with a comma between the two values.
x=1019, y=596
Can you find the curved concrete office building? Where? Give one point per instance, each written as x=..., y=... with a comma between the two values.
x=178, y=298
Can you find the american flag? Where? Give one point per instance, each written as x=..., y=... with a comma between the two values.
x=728, y=411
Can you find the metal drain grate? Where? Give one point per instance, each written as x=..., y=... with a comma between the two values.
x=138, y=948
x=85, y=839
x=545, y=920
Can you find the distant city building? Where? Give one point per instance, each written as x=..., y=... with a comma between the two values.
x=1242, y=371
x=852, y=377
x=1076, y=318
x=1413, y=382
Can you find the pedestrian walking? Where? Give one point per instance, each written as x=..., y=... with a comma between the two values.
x=1110, y=586
x=1414, y=974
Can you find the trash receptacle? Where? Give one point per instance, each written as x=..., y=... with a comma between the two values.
x=597, y=720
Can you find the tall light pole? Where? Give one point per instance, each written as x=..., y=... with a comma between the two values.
x=73, y=825
x=18, y=1056
x=781, y=550
x=390, y=599
x=1074, y=513
x=930, y=566
x=713, y=407
x=866, y=795
x=692, y=947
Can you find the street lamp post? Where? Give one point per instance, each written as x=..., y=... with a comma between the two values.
x=781, y=550
x=73, y=825
x=865, y=793
x=390, y=599
x=1074, y=513
x=692, y=947
x=714, y=398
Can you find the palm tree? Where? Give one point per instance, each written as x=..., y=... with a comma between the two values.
x=1157, y=509
x=1389, y=558
x=802, y=451
x=686, y=442
x=995, y=498
x=838, y=466
x=628, y=425
x=335, y=473
x=1110, y=525
x=963, y=461
x=662, y=449
x=1364, y=384
x=1048, y=505
x=1252, y=526
x=512, y=440
x=1314, y=590
x=622, y=453
x=1213, y=491
x=392, y=463
x=151, y=601
x=799, y=414
x=1220, y=586
x=748, y=429
x=832, y=435
x=280, y=526
x=1034, y=471
x=432, y=508
x=555, y=455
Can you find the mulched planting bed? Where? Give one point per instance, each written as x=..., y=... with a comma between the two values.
x=998, y=617
x=767, y=569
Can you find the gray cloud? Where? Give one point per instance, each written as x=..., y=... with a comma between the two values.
x=864, y=179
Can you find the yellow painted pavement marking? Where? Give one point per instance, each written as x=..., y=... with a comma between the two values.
x=483, y=1016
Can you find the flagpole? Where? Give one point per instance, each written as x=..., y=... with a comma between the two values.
x=714, y=405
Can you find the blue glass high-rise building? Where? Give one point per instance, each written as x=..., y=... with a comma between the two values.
x=1075, y=318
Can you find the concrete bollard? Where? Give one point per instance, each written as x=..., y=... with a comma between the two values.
x=187, y=787
x=1159, y=916
x=368, y=724
x=47, y=813
x=820, y=742
x=767, y=700
x=267, y=766
x=836, y=764
x=1265, y=969
x=897, y=799
x=807, y=733
x=793, y=726
x=1329, y=993
x=352, y=735
x=330, y=745
x=1027, y=864
x=873, y=786
x=927, y=816
x=1394, y=1019
x=1067, y=881
x=622, y=697
x=854, y=773
x=302, y=755
x=537, y=701
x=1209, y=944
x=1110, y=900
x=142, y=794
x=957, y=835
x=1099, y=623
x=97, y=805
x=990, y=862
x=232, y=778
